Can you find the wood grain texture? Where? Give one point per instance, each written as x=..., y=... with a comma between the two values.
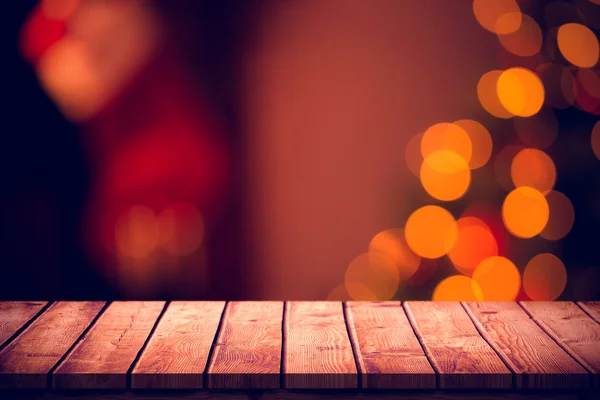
x=177, y=353
x=247, y=354
x=572, y=329
x=26, y=361
x=102, y=358
x=458, y=353
x=317, y=350
x=536, y=359
x=129, y=395
x=388, y=353
x=592, y=308
x=419, y=395
x=15, y=314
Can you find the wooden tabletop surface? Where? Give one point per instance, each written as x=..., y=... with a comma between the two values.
x=299, y=345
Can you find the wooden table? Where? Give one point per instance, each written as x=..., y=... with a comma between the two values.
x=299, y=350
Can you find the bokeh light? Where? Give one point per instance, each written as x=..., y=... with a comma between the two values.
x=595, y=139
x=578, y=44
x=545, y=277
x=590, y=81
x=539, y=130
x=372, y=274
x=520, y=91
x=533, y=168
x=503, y=163
x=392, y=243
x=562, y=216
x=413, y=155
x=490, y=15
x=137, y=232
x=481, y=142
x=431, y=231
x=498, y=278
x=457, y=288
x=59, y=9
x=339, y=293
x=475, y=243
x=446, y=137
x=559, y=85
x=526, y=41
x=488, y=95
x=445, y=175
x=525, y=212
x=181, y=229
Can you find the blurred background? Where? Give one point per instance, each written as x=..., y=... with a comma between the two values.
x=301, y=150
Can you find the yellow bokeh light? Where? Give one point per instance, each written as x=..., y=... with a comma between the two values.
x=431, y=231
x=562, y=216
x=413, y=155
x=375, y=272
x=446, y=136
x=520, y=91
x=445, y=175
x=578, y=44
x=498, y=278
x=488, y=95
x=392, y=244
x=539, y=130
x=490, y=15
x=526, y=41
x=481, y=142
x=595, y=139
x=475, y=243
x=533, y=168
x=545, y=277
x=525, y=212
x=457, y=288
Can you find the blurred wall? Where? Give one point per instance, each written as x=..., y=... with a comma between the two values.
x=333, y=90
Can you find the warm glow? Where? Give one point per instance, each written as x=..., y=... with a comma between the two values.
x=137, y=232
x=590, y=81
x=488, y=95
x=339, y=293
x=431, y=231
x=559, y=85
x=526, y=40
x=562, y=216
x=457, y=288
x=181, y=229
x=596, y=139
x=374, y=272
x=59, y=9
x=578, y=44
x=392, y=244
x=490, y=15
x=533, y=168
x=540, y=130
x=525, y=212
x=498, y=278
x=520, y=91
x=413, y=155
x=446, y=136
x=545, y=277
x=475, y=243
x=481, y=142
x=445, y=175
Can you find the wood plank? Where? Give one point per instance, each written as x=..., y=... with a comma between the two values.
x=131, y=395
x=103, y=357
x=418, y=395
x=247, y=354
x=177, y=353
x=592, y=308
x=457, y=352
x=26, y=361
x=15, y=314
x=536, y=359
x=572, y=329
x=388, y=353
x=317, y=350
